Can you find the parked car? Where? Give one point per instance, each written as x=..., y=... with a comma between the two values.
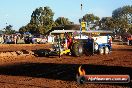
x=28, y=40
x=43, y=40
x=40, y=39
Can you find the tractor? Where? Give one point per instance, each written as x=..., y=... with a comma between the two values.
x=77, y=45
x=63, y=46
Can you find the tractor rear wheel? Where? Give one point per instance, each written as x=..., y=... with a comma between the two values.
x=77, y=49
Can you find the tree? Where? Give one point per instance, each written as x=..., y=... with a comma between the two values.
x=107, y=23
x=91, y=19
x=8, y=30
x=61, y=21
x=23, y=29
x=41, y=20
x=124, y=12
x=130, y=29
x=123, y=17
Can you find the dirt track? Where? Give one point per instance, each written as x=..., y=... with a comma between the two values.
x=14, y=47
x=28, y=71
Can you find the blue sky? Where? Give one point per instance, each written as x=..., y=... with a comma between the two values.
x=18, y=12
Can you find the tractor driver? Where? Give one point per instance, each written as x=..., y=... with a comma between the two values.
x=69, y=41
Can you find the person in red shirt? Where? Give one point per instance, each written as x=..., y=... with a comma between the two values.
x=69, y=41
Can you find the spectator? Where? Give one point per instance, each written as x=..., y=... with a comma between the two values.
x=4, y=38
x=8, y=40
x=15, y=39
x=1, y=39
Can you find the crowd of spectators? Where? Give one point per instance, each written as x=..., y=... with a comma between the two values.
x=21, y=39
x=9, y=39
